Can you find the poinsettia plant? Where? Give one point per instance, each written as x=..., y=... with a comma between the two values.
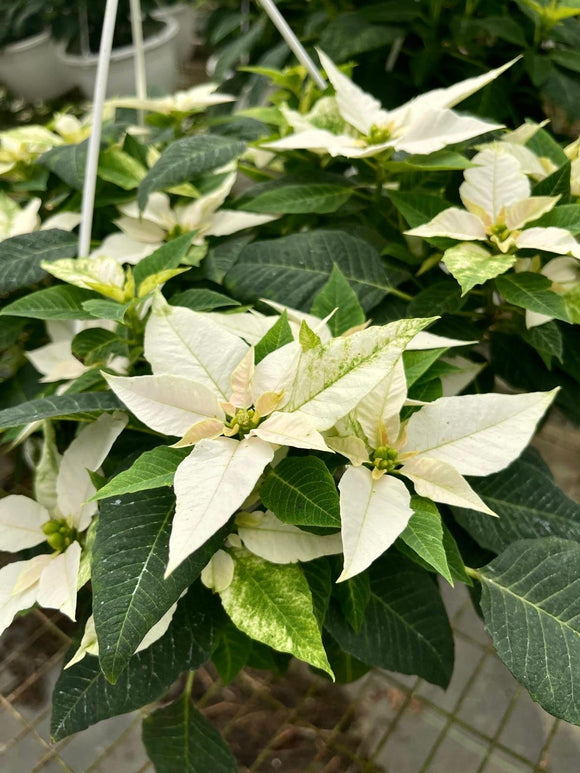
x=293, y=383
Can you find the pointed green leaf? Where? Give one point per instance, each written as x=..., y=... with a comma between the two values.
x=319, y=577
x=547, y=340
x=68, y=406
x=68, y=162
x=82, y=696
x=301, y=490
x=417, y=363
x=102, y=309
x=567, y=216
x=119, y=168
x=528, y=502
x=129, y=560
x=187, y=158
x=167, y=256
x=279, y=334
x=471, y=264
x=354, y=596
x=532, y=291
x=96, y=345
x=338, y=294
x=405, y=627
x=201, y=299
x=307, y=338
x=293, y=269
x=153, y=469
x=231, y=652
x=556, y=184
x=440, y=160
x=21, y=256
x=179, y=739
x=530, y=601
x=424, y=534
x=454, y=558
x=273, y=604
x=60, y=302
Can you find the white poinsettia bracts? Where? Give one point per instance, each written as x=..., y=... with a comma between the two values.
x=144, y=232
x=564, y=273
x=59, y=516
x=435, y=448
x=207, y=389
x=354, y=124
x=16, y=220
x=192, y=100
x=498, y=207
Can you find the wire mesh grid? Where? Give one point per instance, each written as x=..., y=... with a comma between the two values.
x=301, y=723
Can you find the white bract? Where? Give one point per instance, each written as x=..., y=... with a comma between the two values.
x=573, y=153
x=144, y=232
x=207, y=390
x=16, y=220
x=564, y=273
x=192, y=100
x=514, y=143
x=59, y=516
x=435, y=448
x=355, y=125
x=498, y=206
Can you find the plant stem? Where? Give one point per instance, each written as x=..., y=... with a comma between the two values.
x=472, y=573
x=400, y=294
x=188, y=686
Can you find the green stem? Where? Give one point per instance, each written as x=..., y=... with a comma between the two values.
x=472, y=573
x=188, y=686
x=400, y=294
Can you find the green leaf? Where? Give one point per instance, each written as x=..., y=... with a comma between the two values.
x=440, y=298
x=82, y=696
x=543, y=144
x=21, y=256
x=471, y=264
x=96, y=345
x=10, y=331
x=272, y=603
x=301, y=490
x=187, y=158
x=165, y=257
x=349, y=34
x=440, y=160
x=454, y=558
x=528, y=502
x=566, y=216
x=424, y=535
x=153, y=469
x=556, y=184
x=338, y=294
x=59, y=302
x=307, y=338
x=68, y=406
x=200, y=299
x=231, y=652
x=319, y=577
x=346, y=668
x=532, y=291
x=405, y=627
x=222, y=257
x=102, y=309
x=284, y=199
x=354, y=596
x=119, y=168
x=531, y=606
x=293, y=269
x=179, y=739
x=129, y=559
x=417, y=363
x=67, y=162
x=547, y=340
x=277, y=336
x=417, y=207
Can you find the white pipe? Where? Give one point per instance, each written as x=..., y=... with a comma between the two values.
x=90, y=182
x=295, y=45
x=139, y=55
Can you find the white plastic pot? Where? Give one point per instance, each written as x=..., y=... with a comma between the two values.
x=185, y=16
x=30, y=68
x=160, y=64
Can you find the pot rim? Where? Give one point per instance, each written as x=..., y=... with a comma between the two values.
x=158, y=39
x=26, y=43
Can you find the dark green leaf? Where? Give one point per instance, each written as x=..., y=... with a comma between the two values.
x=319, y=577
x=179, y=739
x=345, y=668
x=338, y=294
x=319, y=198
x=21, y=256
x=405, y=627
x=300, y=490
x=532, y=291
x=67, y=406
x=354, y=596
x=231, y=652
x=547, y=341
x=187, y=158
x=153, y=469
x=440, y=298
x=96, y=345
x=279, y=334
x=531, y=605
x=201, y=299
x=556, y=184
x=454, y=558
x=82, y=696
x=67, y=162
x=292, y=269
x=566, y=216
x=59, y=302
x=417, y=363
x=102, y=309
x=543, y=144
x=528, y=502
x=129, y=559
x=424, y=535
x=222, y=257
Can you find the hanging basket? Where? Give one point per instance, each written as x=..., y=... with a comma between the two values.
x=160, y=62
